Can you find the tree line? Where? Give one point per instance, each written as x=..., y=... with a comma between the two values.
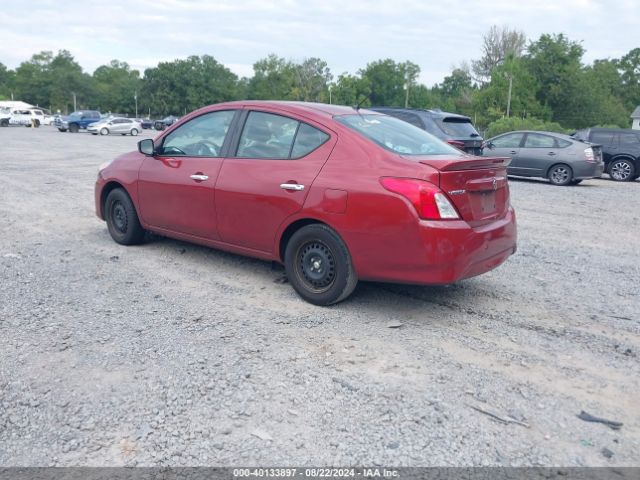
x=516, y=82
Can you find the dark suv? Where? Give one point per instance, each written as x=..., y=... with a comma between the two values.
x=620, y=150
x=456, y=130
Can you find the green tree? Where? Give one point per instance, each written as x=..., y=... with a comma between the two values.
x=497, y=45
x=184, y=85
x=629, y=67
x=6, y=81
x=115, y=87
x=311, y=80
x=274, y=78
x=388, y=81
x=51, y=81
x=350, y=90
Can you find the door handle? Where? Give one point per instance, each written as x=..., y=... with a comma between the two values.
x=551, y=154
x=199, y=177
x=292, y=186
x=513, y=152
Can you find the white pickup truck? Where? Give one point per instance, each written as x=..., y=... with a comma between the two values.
x=26, y=117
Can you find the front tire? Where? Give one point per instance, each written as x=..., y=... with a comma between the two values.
x=318, y=265
x=73, y=128
x=134, y=132
x=104, y=131
x=622, y=170
x=560, y=174
x=122, y=218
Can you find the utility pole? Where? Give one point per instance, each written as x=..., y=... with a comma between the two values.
x=74, y=102
x=135, y=97
x=329, y=94
x=509, y=96
x=406, y=94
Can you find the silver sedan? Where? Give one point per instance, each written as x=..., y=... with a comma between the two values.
x=560, y=158
x=121, y=125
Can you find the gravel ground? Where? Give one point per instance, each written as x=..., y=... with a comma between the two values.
x=174, y=354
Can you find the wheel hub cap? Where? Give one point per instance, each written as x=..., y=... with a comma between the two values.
x=620, y=171
x=120, y=217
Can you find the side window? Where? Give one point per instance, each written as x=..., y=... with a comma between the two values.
x=266, y=135
x=511, y=140
x=535, y=140
x=629, y=140
x=563, y=143
x=307, y=140
x=411, y=118
x=602, y=138
x=202, y=136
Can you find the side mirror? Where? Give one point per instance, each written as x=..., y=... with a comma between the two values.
x=488, y=145
x=146, y=147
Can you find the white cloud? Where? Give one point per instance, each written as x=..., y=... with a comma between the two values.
x=347, y=35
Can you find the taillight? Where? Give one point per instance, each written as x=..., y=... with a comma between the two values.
x=429, y=201
x=589, y=156
x=456, y=143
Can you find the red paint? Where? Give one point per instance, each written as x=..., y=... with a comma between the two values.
x=241, y=207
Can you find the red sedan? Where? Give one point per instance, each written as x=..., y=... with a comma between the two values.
x=336, y=194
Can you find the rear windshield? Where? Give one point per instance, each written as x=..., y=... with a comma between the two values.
x=396, y=136
x=457, y=127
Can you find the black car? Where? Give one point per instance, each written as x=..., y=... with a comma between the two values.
x=620, y=150
x=165, y=122
x=147, y=123
x=456, y=130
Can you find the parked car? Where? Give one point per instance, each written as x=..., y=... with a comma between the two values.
x=147, y=123
x=560, y=158
x=336, y=194
x=620, y=149
x=123, y=126
x=77, y=120
x=165, y=122
x=456, y=130
x=23, y=117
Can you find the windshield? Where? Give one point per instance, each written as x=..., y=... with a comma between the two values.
x=457, y=127
x=396, y=136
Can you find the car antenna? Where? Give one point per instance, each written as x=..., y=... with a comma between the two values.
x=362, y=100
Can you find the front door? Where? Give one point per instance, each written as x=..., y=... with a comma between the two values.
x=269, y=177
x=538, y=153
x=506, y=146
x=176, y=186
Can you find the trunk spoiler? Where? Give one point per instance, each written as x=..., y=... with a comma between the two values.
x=474, y=163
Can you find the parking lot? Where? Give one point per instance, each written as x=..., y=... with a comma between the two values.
x=174, y=354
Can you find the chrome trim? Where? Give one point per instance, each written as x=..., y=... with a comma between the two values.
x=292, y=186
x=200, y=178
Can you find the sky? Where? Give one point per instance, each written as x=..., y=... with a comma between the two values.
x=347, y=34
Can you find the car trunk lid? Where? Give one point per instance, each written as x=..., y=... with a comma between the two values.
x=477, y=186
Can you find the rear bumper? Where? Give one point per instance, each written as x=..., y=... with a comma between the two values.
x=449, y=251
x=585, y=170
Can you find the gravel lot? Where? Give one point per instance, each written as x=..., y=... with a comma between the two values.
x=174, y=354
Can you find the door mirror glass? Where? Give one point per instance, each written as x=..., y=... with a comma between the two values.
x=146, y=147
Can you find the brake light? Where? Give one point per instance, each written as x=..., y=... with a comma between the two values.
x=589, y=155
x=429, y=201
x=456, y=143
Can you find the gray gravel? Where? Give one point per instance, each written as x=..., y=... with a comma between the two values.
x=174, y=354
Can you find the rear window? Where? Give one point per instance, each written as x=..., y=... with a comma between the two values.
x=396, y=136
x=603, y=138
x=457, y=127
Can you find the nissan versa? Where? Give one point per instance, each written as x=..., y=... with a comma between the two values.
x=334, y=193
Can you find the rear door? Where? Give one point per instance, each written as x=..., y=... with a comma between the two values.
x=266, y=180
x=609, y=142
x=507, y=145
x=176, y=186
x=537, y=154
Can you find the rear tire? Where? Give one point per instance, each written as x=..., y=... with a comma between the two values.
x=73, y=128
x=560, y=174
x=319, y=266
x=104, y=131
x=122, y=218
x=4, y=123
x=134, y=132
x=622, y=170
x=62, y=129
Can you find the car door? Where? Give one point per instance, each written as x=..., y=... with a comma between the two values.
x=123, y=125
x=507, y=145
x=266, y=180
x=538, y=153
x=176, y=185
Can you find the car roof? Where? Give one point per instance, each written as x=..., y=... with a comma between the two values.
x=302, y=108
x=434, y=112
x=552, y=134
